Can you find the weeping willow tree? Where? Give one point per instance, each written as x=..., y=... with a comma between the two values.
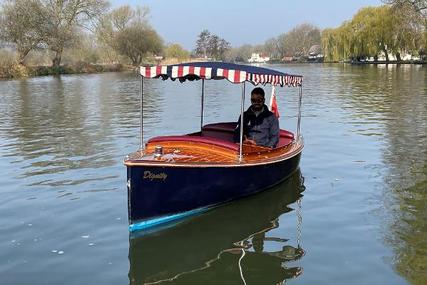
x=375, y=31
x=338, y=43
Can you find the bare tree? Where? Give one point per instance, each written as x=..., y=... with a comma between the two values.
x=63, y=20
x=223, y=48
x=202, y=43
x=127, y=31
x=210, y=45
x=240, y=54
x=418, y=5
x=20, y=23
x=298, y=41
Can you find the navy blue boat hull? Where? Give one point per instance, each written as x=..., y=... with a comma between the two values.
x=158, y=192
x=208, y=237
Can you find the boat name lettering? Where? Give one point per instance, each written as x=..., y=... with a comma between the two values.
x=152, y=176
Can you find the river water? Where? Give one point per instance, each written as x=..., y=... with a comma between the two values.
x=355, y=213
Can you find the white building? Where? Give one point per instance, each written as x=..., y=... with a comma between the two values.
x=257, y=58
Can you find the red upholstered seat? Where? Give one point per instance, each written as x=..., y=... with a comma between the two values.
x=230, y=126
x=284, y=141
x=286, y=134
x=227, y=127
x=219, y=134
x=286, y=138
x=196, y=139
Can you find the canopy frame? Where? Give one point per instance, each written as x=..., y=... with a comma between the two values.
x=217, y=70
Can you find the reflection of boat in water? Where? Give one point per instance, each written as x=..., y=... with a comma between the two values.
x=227, y=244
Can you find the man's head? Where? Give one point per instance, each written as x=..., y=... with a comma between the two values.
x=257, y=99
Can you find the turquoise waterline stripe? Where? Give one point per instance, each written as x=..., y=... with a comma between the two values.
x=154, y=222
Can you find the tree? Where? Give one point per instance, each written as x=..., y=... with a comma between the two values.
x=281, y=45
x=127, y=31
x=213, y=46
x=202, y=43
x=63, y=20
x=412, y=18
x=240, y=54
x=20, y=23
x=330, y=44
x=418, y=5
x=176, y=51
x=122, y=16
x=217, y=47
x=138, y=41
x=298, y=41
x=271, y=47
x=372, y=31
x=210, y=45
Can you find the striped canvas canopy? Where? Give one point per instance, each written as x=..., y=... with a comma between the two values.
x=235, y=73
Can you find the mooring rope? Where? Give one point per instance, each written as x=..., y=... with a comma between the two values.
x=240, y=266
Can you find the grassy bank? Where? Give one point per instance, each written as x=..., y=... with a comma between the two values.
x=14, y=70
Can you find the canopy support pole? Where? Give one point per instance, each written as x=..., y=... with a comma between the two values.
x=203, y=104
x=299, y=113
x=242, y=111
x=141, y=147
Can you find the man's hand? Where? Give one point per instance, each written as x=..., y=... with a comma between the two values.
x=248, y=141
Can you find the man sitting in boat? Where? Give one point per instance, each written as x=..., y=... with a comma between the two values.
x=260, y=126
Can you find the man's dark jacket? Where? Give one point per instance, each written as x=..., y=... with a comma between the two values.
x=264, y=128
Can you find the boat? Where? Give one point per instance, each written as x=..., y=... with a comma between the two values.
x=240, y=236
x=176, y=176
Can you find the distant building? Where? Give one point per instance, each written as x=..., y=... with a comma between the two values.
x=288, y=58
x=258, y=58
x=315, y=54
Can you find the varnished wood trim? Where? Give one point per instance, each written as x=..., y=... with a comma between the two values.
x=274, y=157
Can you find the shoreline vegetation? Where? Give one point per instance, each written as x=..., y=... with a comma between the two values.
x=14, y=70
x=44, y=37
x=21, y=71
x=17, y=71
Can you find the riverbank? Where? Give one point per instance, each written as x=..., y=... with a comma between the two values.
x=380, y=62
x=15, y=70
x=11, y=69
x=21, y=71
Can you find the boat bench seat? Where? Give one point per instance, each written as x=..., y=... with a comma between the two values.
x=196, y=139
x=219, y=134
x=285, y=138
x=225, y=131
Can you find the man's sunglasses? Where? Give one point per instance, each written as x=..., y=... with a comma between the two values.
x=255, y=100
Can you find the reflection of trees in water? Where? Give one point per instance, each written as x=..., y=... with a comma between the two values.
x=125, y=93
x=228, y=245
x=409, y=229
x=405, y=154
x=66, y=123
x=392, y=102
x=56, y=126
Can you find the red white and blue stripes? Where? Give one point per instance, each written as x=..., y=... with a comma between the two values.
x=282, y=80
x=191, y=72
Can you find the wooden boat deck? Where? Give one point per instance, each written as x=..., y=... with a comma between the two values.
x=212, y=146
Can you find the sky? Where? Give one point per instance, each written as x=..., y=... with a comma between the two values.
x=242, y=22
